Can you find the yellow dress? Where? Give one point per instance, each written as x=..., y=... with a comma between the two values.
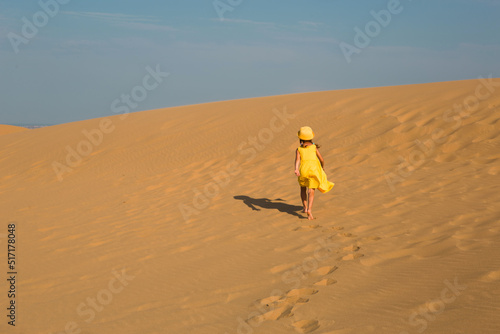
x=312, y=174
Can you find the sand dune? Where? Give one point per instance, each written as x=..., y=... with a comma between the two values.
x=187, y=219
x=6, y=129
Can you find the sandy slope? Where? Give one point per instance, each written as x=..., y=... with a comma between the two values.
x=6, y=129
x=184, y=220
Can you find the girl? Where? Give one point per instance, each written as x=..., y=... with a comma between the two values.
x=310, y=172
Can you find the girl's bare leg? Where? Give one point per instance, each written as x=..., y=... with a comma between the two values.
x=303, y=196
x=310, y=200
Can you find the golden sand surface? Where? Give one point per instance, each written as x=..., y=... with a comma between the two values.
x=187, y=219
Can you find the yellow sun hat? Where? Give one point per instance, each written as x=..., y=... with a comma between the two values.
x=306, y=133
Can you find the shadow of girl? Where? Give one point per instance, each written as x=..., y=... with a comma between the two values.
x=266, y=203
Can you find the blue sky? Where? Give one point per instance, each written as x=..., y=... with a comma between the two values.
x=90, y=52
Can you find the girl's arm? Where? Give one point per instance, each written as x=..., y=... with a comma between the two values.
x=297, y=162
x=320, y=159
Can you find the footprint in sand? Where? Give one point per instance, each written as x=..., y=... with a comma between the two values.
x=353, y=255
x=282, y=312
x=326, y=282
x=306, y=326
x=293, y=300
x=278, y=301
x=275, y=314
x=302, y=292
x=352, y=248
x=323, y=271
x=279, y=307
x=350, y=257
x=306, y=227
x=269, y=300
x=347, y=235
x=333, y=228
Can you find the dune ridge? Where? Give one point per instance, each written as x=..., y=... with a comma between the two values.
x=6, y=129
x=186, y=219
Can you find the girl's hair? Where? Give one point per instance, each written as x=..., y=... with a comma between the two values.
x=304, y=141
